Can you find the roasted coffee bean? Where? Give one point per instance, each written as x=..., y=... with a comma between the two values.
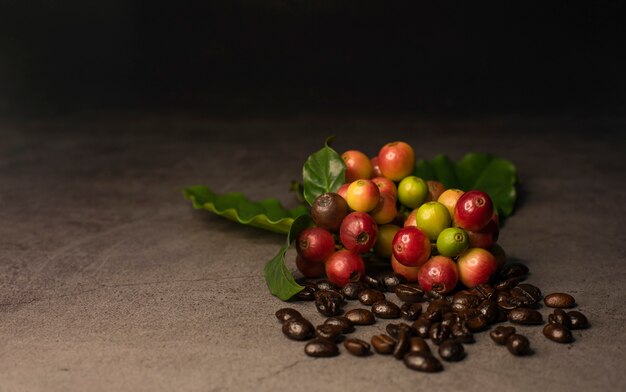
x=432, y=294
x=501, y=334
x=558, y=333
x=369, y=296
x=578, y=320
x=460, y=332
x=559, y=300
x=411, y=311
x=394, y=329
x=451, y=350
x=432, y=316
x=357, y=347
x=408, y=292
x=518, y=344
x=525, y=316
x=341, y=321
x=386, y=309
x=484, y=291
x=422, y=362
x=477, y=323
x=469, y=313
x=527, y=293
x=328, y=302
x=489, y=310
x=402, y=343
x=391, y=281
x=507, y=284
x=438, y=333
x=328, y=331
x=421, y=326
x=507, y=302
x=285, y=314
x=306, y=294
x=383, y=344
x=560, y=317
x=501, y=316
x=319, y=347
x=374, y=283
x=449, y=319
x=360, y=317
x=418, y=345
x=464, y=300
x=439, y=304
x=326, y=285
x=352, y=290
x=298, y=329
x=307, y=283
x=513, y=270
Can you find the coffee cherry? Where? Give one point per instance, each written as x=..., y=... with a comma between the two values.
x=473, y=210
x=432, y=217
x=362, y=195
x=452, y=241
x=384, y=240
x=411, y=246
x=344, y=265
x=315, y=244
x=409, y=273
x=411, y=220
x=386, y=211
x=412, y=191
x=385, y=185
x=449, y=198
x=376, y=167
x=396, y=160
x=476, y=266
x=328, y=211
x=343, y=190
x=435, y=189
x=308, y=268
x=358, y=232
x=358, y=165
x=485, y=237
x=440, y=274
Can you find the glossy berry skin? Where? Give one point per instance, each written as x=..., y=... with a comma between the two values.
x=358, y=232
x=411, y=246
x=473, y=210
x=476, y=266
x=358, y=165
x=486, y=237
x=385, y=185
x=449, y=198
x=386, y=211
x=343, y=190
x=343, y=265
x=411, y=274
x=376, y=167
x=432, y=217
x=308, y=268
x=328, y=211
x=396, y=160
x=362, y=195
x=452, y=241
x=384, y=240
x=440, y=274
x=411, y=220
x=412, y=191
x=315, y=244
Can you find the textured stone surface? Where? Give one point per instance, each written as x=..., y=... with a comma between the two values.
x=110, y=281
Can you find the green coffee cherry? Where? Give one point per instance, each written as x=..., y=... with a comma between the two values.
x=432, y=217
x=452, y=241
x=412, y=191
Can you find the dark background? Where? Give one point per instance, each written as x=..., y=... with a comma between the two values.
x=282, y=58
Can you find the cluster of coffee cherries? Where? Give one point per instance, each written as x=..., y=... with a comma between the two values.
x=435, y=236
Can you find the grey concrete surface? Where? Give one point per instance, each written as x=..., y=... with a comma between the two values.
x=110, y=281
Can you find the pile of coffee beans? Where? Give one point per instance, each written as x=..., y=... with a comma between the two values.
x=448, y=321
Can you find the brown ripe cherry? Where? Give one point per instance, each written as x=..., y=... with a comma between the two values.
x=328, y=211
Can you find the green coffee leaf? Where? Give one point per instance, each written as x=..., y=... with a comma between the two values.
x=277, y=276
x=486, y=172
x=267, y=214
x=324, y=171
